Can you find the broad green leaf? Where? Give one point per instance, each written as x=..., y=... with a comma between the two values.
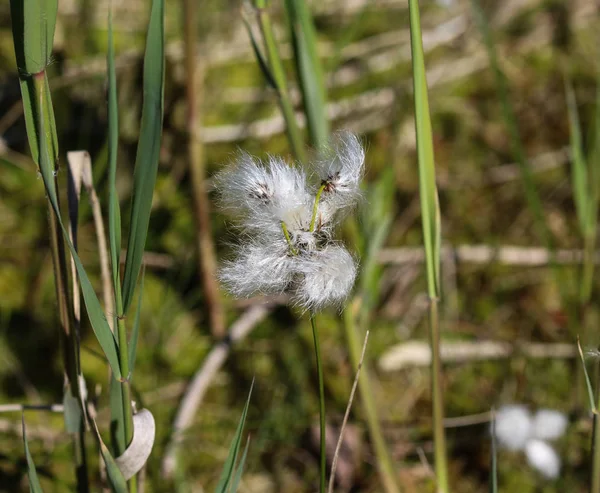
x=427, y=185
x=33, y=23
x=114, y=212
x=309, y=70
x=578, y=165
x=115, y=478
x=226, y=479
x=95, y=313
x=34, y=481
x=135, y=332
x=146, y=164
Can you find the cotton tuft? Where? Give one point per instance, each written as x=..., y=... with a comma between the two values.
x=287, y=222
x=543, y=457
x=517, y=430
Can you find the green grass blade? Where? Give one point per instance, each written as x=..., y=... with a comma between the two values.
x=427, y=184
x=579, y=165
x=309, y=70
x=588, y=382
x=95, y=313
x=34, y=481
x=114, y=213
x=146, y=165
x=262, y=62
x=135, y=332
x=225, y=481
x=115, y=478
x=240, y=469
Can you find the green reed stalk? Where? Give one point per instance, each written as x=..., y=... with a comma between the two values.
x=322, y=423
x=430, y=215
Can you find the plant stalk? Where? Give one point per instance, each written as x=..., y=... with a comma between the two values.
x=322, y=423
x=384, y=461
x=439, y=434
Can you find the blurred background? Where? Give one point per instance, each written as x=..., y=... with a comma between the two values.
x=507, y=313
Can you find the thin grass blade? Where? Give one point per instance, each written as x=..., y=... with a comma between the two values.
x=115, y=478
x=427, y=185
x=588, y=382
x=148, y=152
x=262, y=62
x=227, y=474
x=309, y=70
x=34, y=480
x=114, y=212
x=240, y=469
x=578, y=161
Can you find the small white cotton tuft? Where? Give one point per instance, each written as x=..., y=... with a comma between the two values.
x=542, y=457
x=259, y=267
x=549, y=424
x=260, y=193
x=513, y=426
x=327, y=276
x=340, y=170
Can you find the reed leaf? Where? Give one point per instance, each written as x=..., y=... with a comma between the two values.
x=34, y=480
x=95, y=313
x=114, y=212
x=148, y=151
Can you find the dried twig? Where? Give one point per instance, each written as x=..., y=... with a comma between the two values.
x=346, y=416
x=418, y=353
x=485, y=254
x=202, y=379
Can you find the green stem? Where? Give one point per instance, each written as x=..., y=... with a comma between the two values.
x=595, y=479
x=323, y=430
x=385, y=464
x=439, y=434
x=316, y=207
x=125, y=385
x=278, y=73
x=286, y=233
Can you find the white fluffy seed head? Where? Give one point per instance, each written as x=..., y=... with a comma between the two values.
x=260, y=194
x=340, y=169
x=549, y=424
x=513, y=426
x=259, y=267
x=325, y=277
x=542, y=457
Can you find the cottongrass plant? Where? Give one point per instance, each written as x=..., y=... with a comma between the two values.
x=287, y=218
x=287, y=223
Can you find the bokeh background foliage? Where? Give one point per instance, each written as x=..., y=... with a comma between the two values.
x=365, y=52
